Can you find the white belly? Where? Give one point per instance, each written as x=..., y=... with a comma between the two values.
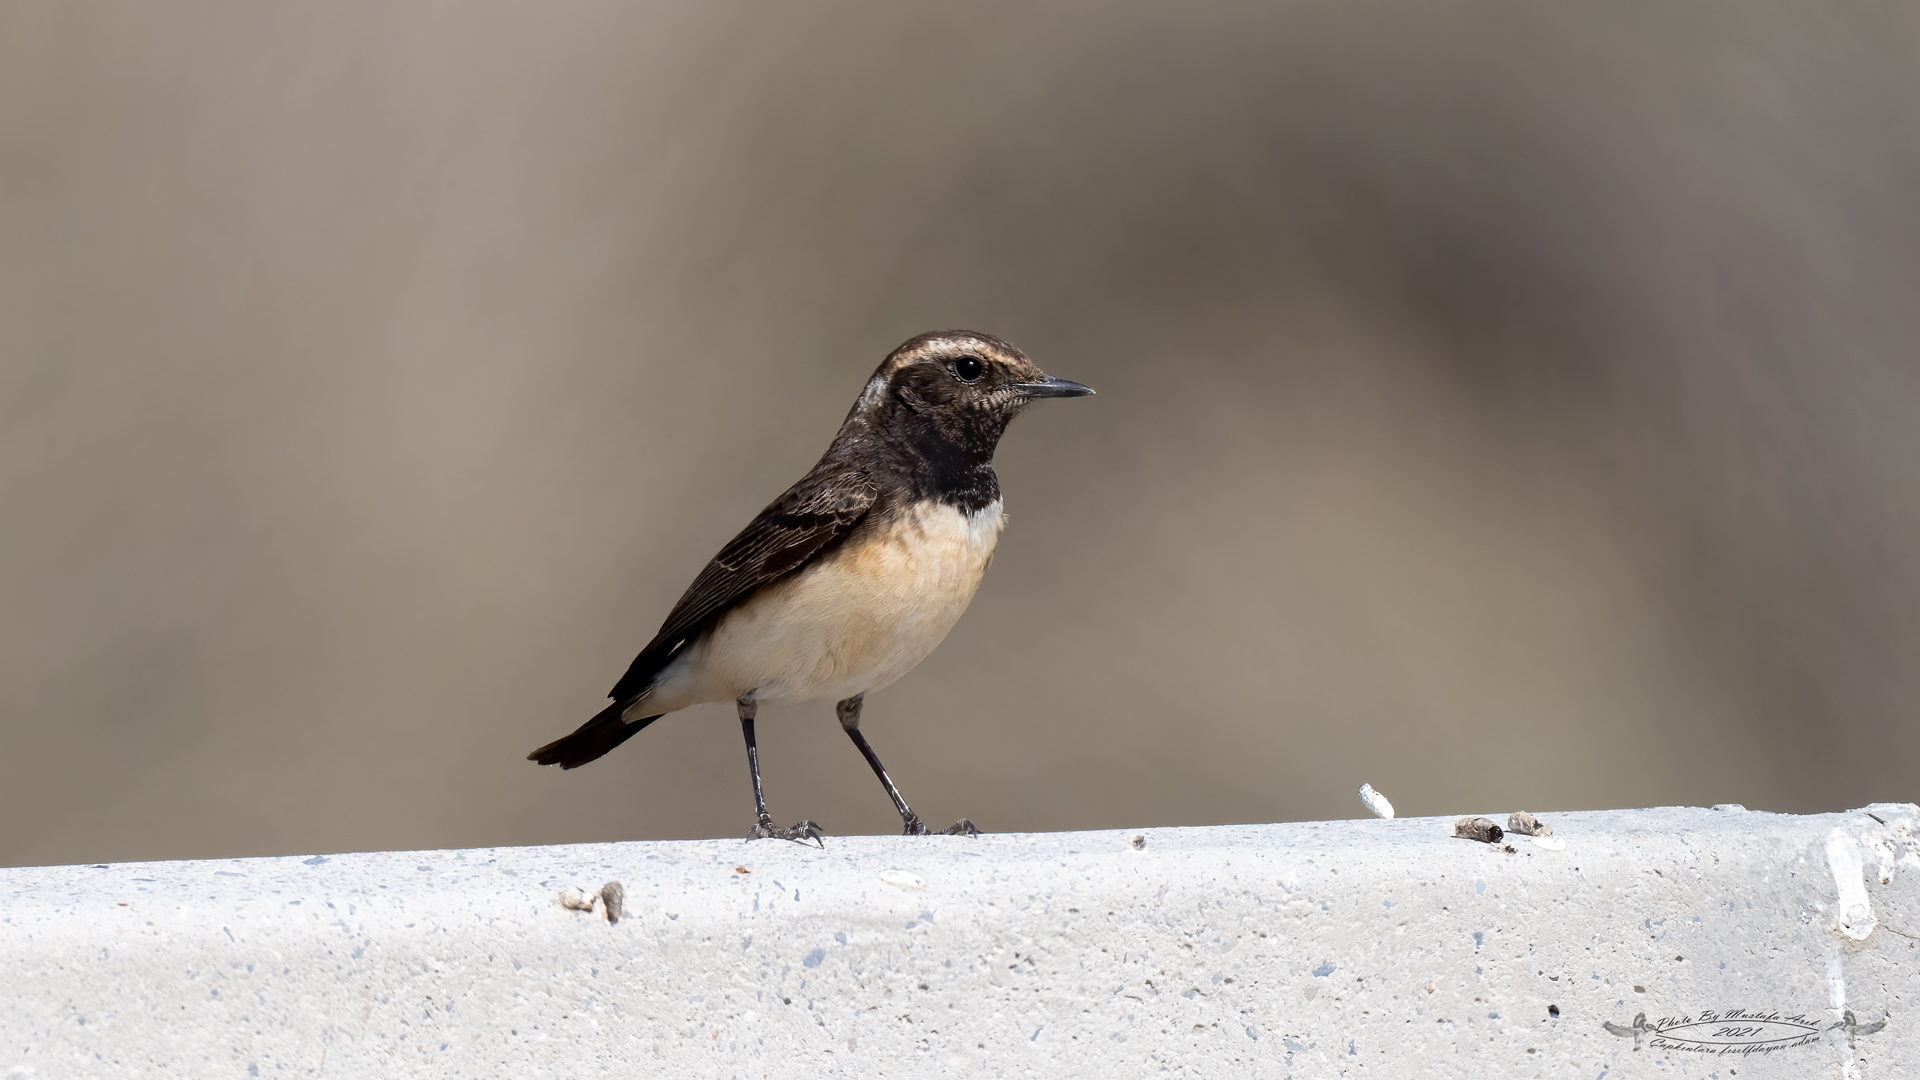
x=850, y=623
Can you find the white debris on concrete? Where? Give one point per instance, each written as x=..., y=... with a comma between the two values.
x=1852, y=910
x=1665, y=942
x=1376, y=803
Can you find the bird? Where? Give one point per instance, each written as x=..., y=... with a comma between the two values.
x=854, y=574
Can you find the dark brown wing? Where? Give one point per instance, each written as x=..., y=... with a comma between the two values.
x=812, y=514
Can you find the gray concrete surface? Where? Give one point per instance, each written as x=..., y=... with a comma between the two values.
x=1664, y=942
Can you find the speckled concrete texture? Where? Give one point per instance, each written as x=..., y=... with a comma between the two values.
x=1668, y=942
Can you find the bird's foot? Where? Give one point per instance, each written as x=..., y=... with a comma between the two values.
x=765, y=829
x=915, y=827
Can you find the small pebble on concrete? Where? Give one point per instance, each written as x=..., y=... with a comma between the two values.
x=1478, y=828
x=1528, y=825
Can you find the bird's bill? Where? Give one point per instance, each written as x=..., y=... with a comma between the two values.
x=1052, y=387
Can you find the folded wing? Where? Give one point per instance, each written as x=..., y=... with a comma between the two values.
x=812, y=514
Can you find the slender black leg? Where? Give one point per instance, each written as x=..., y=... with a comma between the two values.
x=747, y=713
x=763, y=827
x=849, y=713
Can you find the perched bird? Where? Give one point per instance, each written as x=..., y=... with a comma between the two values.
x=851, y=577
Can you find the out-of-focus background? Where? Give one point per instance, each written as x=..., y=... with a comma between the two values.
x=1507, y=405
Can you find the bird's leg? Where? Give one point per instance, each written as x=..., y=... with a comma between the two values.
x=748, y=710
x=763, y=827
x=849, y=713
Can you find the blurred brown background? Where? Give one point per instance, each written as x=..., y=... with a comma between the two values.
x=1507, y=405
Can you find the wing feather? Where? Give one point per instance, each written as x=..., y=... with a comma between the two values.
x=813, y=513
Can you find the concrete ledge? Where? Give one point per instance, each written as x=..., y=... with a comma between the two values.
x=1754, y=944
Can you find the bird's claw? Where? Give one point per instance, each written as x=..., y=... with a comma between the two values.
x=915, y=827
x=803, y=831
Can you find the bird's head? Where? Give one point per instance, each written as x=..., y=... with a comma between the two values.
x=957, y=387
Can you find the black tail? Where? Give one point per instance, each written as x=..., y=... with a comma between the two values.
x=595, y=737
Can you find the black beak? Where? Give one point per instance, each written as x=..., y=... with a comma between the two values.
x=1052, y=387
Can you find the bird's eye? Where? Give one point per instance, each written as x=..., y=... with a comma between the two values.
x=969, y=368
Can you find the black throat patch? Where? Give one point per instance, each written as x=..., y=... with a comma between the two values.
x=947, y=459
